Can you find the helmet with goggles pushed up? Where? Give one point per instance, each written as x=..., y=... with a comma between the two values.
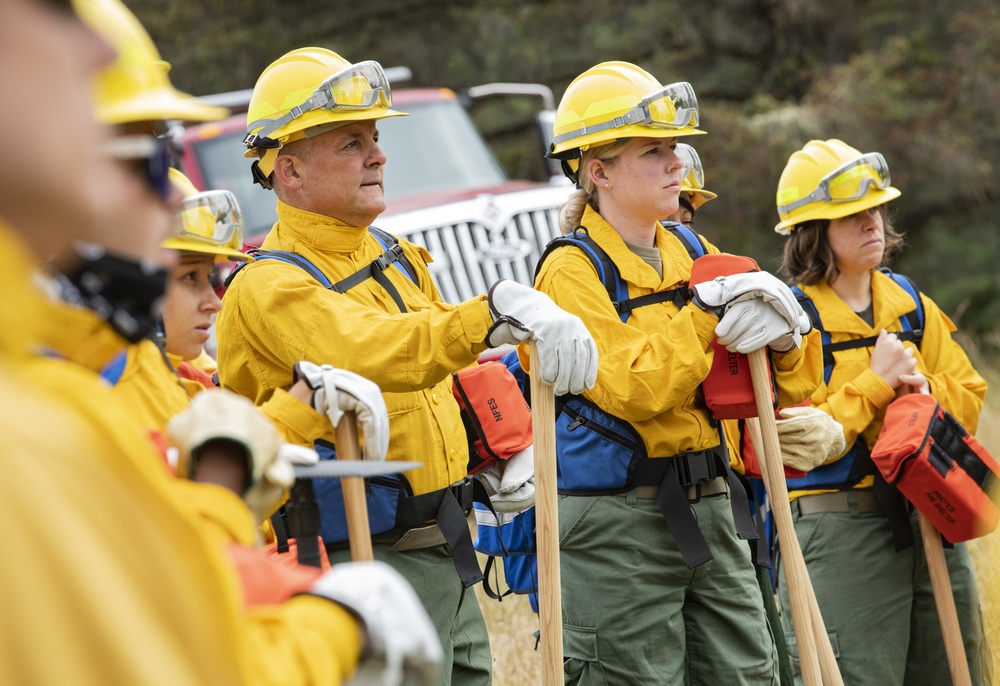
x=210, y=222
x=307, y=92
x=693, y=182
x=616, y=100
x=135, y=87
x=829, y=180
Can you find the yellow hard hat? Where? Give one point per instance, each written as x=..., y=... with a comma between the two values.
x=829, y=180
x=694, y=177
x=616, y=100
x=211, y=222
x=135, y=87
x=309, y=88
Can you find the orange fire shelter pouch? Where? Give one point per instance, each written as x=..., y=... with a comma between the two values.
x=497, y=419
x=728, y=387
x=940, y=468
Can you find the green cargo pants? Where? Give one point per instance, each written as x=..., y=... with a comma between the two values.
x=454, y=610
x=633, y=613
x=878, y=605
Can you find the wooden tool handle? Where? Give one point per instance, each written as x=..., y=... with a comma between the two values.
x=795, y=565
x=828, y=666
x=543, y=421
x=954, y=648
x=355, y=500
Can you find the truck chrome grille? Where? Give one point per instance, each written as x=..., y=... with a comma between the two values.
x=469, y=256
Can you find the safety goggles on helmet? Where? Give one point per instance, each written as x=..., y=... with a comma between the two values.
x=692, y=173
x=153, y=152
x=212, y=218
x=850, y=181
x=358, y=87
x=672, y=107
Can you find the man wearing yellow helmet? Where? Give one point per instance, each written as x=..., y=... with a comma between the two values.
x=657, y=585
x=113, y=564
x=857, y=532
x=311, y=129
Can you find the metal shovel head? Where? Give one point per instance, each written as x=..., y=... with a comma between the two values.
x=335, y=469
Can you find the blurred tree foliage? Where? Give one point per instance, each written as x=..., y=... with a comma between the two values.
x=918, y=80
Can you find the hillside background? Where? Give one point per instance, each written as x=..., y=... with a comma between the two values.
x=918, y=80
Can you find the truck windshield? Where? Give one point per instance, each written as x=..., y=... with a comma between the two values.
x=436, y=149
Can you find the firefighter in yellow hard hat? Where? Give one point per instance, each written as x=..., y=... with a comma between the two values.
x=653, y=517
x=890, y=340
x=106, y=532
x=693, y=192
x=330, y=286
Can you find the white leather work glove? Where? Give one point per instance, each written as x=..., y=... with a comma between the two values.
x=566, y=350
x=336, y=391
x=400, y=641
x=513, y=489
x=809, y=437
x=722, y=291
x=222, y=415
x=751, y=324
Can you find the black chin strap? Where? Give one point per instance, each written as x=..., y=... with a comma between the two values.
x=124, y=293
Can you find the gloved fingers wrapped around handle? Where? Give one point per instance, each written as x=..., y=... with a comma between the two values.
x=567, y=352
x=365, y=399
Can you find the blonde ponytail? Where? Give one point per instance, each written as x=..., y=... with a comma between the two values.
x=571, y=211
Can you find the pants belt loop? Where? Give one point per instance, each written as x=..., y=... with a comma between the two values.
x=853, y=509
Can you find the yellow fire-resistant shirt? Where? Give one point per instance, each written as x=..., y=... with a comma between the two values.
x=110, y=579
x=155, y=394
x=276, y=314
x=856, y=396
x=652, y=365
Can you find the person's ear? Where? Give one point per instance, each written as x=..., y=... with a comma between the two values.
x=288, y=171
x=598, y=173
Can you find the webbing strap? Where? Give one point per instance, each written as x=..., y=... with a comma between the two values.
x=443, y=506
x=947, y=434
x=392, y=254
x=375, y=270
x=678, y=296
x=671, y=475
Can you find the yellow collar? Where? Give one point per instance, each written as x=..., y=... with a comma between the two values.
x=319, y=232
x=631, y=267
x=22, y=304
x=79, y=335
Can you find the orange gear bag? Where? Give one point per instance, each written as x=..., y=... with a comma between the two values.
x=728, y=387
x=497, y=419
x=939, y=466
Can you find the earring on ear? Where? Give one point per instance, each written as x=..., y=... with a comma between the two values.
x=607, y=185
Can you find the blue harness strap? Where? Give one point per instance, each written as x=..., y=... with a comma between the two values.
x=113, y=370
x=392, y=254
x=610, y=276
x=856, y=464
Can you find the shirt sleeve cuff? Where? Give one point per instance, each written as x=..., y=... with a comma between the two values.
x=875, y=388
x=477, y=320
x=298, y=422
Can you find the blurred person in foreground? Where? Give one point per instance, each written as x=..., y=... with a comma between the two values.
x=114, y=581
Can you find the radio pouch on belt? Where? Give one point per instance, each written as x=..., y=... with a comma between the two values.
x=728, y=388
x=497, y=419
x=940, y=468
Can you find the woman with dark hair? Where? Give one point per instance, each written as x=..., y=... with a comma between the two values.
x=882, y=339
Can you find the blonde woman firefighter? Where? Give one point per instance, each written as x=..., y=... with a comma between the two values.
x=658, y=585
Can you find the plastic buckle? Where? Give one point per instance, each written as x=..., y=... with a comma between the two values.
x=695, y=468
x=385, y=260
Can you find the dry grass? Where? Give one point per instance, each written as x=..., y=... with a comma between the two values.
x=512, y=623
x=986, y=550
